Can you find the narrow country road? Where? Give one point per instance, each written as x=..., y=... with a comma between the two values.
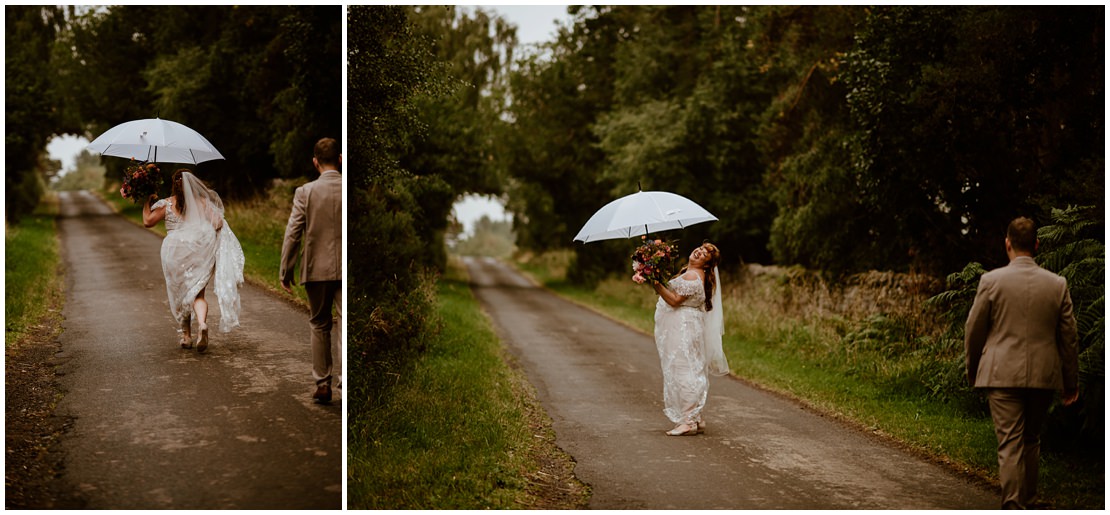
x=601, y=384
x=155, y=426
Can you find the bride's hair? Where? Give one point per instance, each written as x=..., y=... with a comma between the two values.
x=179, y=191
x=710, y=279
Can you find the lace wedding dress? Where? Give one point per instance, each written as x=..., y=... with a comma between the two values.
x=679, y=337
x=195, y=254
x=690, y=348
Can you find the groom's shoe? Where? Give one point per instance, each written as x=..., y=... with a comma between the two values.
x=323, y=394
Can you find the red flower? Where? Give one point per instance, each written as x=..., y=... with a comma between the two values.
x=652, y=260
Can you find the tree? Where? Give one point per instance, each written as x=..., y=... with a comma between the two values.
x=262, y=83
x=550, y=150
x=838, y=138
x=957, y=134
x=455, y=152
x=1069, y=244
x=389, y=288
x=30, y=115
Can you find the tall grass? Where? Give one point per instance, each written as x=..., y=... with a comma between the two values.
x=32, y=283
x=450, y=431
x=260, y=226
x=866, y=351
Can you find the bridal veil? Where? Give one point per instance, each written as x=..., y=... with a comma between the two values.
x=202, y=249
x=715, y=361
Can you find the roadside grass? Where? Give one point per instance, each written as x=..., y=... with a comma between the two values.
x=31, y=279
x=869, y=372
x=453, y=430
x=259, y=224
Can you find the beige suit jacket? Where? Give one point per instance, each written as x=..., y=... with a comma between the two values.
x=1021, y=331
x=317, y=221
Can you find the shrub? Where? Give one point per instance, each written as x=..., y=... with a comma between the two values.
x=1070, y=248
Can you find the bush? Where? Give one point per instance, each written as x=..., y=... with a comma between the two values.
x=390, y=292
x=1070, y=248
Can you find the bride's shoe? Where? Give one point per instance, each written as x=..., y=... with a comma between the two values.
x=202, y=342
x=701, y=427
x=186, y=338
x=684, y=430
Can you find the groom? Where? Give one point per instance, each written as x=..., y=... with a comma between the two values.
x=1020, y=342
x=317, y=219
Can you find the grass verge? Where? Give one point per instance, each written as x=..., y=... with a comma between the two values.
x=863, y=372
x=459, y=428
x=33, y=313
x=31, y=278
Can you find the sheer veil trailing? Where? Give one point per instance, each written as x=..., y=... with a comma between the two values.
x=203, y=249
x=715, y=360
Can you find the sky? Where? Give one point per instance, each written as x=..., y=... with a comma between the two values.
x=535, y=24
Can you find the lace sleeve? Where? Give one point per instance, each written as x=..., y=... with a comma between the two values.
x=160, y=203
x=686, y=288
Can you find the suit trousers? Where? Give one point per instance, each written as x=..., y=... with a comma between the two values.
x=1019, y=415
x=322, y=295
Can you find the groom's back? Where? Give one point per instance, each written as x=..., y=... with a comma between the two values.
x=323, y=235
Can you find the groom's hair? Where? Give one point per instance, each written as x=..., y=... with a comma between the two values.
x=326, y=152
x=1022, y=234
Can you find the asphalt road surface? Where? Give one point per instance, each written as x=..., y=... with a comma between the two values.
x=601, y=384
x=155, y=426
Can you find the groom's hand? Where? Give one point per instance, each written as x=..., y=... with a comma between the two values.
x=287, y=286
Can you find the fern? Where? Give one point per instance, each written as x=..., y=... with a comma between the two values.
x=955, y=303
x=1070, y=247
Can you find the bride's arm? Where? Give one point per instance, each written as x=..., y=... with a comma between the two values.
x=152, y=217
x=669, y=296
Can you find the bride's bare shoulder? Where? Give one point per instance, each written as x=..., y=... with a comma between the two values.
x=691, y=276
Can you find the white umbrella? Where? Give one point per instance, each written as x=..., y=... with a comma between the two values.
x=641, y=213
x=156, y=141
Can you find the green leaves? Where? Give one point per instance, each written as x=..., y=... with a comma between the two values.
x=1069, y=247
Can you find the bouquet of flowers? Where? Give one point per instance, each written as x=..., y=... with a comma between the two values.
x=140, y=181
x=653, y=260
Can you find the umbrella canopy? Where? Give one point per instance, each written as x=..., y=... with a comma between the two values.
x=155, y=140
x=642, y=213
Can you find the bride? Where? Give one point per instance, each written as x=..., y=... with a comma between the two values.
x=688, y=329
x=199, y=249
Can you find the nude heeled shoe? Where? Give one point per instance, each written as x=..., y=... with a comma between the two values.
x=202, y=342
x=186, y=338
x=684, y=429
